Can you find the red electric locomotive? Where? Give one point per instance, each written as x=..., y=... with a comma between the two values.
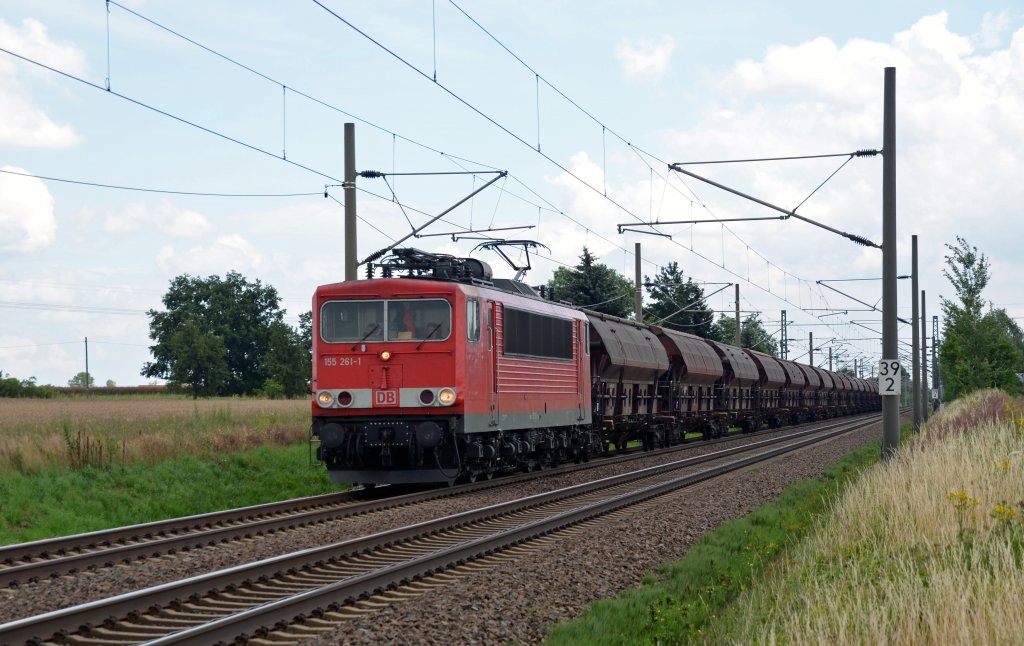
x=438, y=371
x=439, y=374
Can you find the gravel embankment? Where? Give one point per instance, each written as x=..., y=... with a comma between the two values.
x=520, y=602
x=516, y=602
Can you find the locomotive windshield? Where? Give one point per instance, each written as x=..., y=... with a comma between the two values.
x=371, y=321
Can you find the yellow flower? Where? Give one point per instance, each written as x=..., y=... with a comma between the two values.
x=961, y=500
x=1005, y=513
x=1003, y=465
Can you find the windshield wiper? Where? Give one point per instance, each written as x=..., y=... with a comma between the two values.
x=367, y=335
x=437, y=327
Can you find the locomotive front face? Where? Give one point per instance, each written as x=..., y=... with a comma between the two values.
x=386, y=395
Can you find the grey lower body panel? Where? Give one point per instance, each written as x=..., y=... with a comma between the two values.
x=394, y=476
x=485, y=423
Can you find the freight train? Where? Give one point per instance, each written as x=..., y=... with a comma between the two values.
x=437, y=371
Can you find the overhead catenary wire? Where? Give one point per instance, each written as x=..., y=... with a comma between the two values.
x=153, y=190
x=556, y=210
x=505, y=129
x=322, y=103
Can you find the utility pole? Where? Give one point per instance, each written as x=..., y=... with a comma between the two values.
x=890, y=351
x=915, y=375
x=924, y=364
x=935, y=356
x=856, y=370
x=810, y=348
x=639, y=304
x=784, y=335
x=350, y=202
x=830, y=358
x=87, y=366
x=738, y=345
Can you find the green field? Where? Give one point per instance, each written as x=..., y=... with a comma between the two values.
x=76, y=464
x=58, y=501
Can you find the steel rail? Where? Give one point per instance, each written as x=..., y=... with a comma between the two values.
x=28, y=562
x=254, y=621
x=108, y=611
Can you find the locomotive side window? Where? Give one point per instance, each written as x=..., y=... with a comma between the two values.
x=472, y=319
x=351, y=321
x=537, y=335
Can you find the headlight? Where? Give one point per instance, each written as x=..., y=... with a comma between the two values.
x=344, y=398
x=446, y=396
x=324, y=399
x=385, y=356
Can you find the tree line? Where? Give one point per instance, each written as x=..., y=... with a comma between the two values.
x=227, y=336
x=674, y=301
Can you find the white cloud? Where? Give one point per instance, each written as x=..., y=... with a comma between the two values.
x=27, y=222
x=644, y=58
x=993, y=26
x=166, y=217
x=128, y=220
x=959, y=143
x=230, y=252
x=32, y=41
x=24, y=124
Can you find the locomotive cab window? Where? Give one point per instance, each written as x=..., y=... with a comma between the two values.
x=537, y=335
x=352, y=321
x=428, y=319
x=472, y=319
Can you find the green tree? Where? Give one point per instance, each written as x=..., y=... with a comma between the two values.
x=306, y=339
x=242, y=317
x=111, y=383
x=977, y=351
x=82, y=380
x=677, y=303
x=287, y=363
x=593, y=285
x=752, y=334
x=199, y=361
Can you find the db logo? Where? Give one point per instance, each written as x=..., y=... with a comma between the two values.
x=385, y=398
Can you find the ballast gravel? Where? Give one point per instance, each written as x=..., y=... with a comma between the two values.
x=515, y=602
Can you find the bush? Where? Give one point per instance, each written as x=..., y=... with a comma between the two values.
x=12, y=387
x=271, y=390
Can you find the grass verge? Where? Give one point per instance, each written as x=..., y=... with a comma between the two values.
x=76, y=432
x=55, y=501
x=682, y=600
x=927, y=550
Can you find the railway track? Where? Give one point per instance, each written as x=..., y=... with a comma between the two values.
x=325, y=585
x=68, y=555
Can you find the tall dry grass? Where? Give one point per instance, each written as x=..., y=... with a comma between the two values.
x=926, y=549
x=76, y=433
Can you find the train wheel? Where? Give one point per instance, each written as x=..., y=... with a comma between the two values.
x=472, y=476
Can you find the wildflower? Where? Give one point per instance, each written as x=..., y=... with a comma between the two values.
x=1004, y=513
x=961, y=501
x=1003, y=465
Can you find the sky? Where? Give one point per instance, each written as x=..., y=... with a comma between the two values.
x=583, y=104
